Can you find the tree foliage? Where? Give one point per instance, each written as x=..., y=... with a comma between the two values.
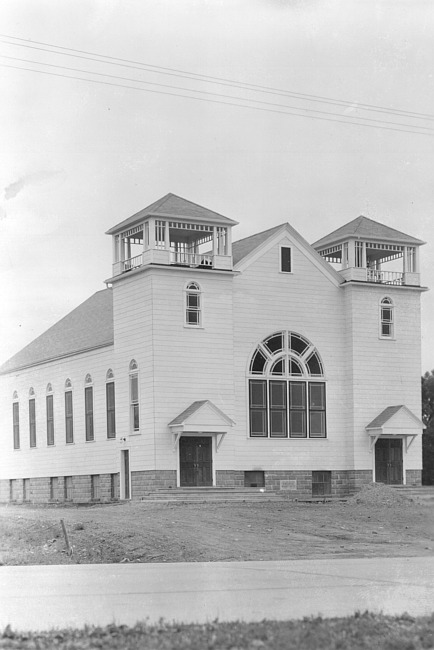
x=428, y=435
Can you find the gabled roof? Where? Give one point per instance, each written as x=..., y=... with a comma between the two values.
x=365, y=228
x=388, y=414
x=88, y=326
x=194, y=409
x=174, y=206
x=243, y=247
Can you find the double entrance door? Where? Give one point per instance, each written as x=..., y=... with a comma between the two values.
x=195, y=456
x=388, y=461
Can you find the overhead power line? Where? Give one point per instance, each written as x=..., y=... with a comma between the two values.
x=219, y=95
x=215, y=101
x=102, y=58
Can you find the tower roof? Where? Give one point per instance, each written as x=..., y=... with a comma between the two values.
x=173, y=206
x=367, y=229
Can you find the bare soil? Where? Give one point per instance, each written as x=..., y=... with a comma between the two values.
x=378, y=521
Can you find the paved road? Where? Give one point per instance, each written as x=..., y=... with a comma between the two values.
x=42, y=597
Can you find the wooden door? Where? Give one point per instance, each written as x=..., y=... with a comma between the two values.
x=388, y=461
x=195, y=461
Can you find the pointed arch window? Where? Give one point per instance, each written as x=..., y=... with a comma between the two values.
x=16, y=420
x=69, y=415
x=134, y=397
x=193, y=305
x=387, y=324
x=110, y=404
x=287, y=388
x=88, y=408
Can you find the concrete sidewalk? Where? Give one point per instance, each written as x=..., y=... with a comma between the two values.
x=42, y=597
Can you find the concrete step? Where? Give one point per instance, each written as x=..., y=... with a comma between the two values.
x=210, y=494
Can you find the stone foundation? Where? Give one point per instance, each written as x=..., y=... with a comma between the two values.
x=294, y=484
x=229, y=478
x=413, y=477
x=147, y=481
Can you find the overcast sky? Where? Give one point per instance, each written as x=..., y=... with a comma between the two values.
x=77, y=157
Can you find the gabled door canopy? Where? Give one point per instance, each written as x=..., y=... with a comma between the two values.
x=395, y=421
x=201, y=417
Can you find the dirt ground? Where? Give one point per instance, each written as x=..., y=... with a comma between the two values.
x=378, y=521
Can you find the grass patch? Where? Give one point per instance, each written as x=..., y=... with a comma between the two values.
x=376, y=632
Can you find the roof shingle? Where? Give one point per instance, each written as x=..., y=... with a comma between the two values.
x=365, y=228
x=88, y=326
x=173, y=206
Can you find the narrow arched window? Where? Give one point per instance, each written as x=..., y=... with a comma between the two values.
x=32, y=417
x=16, y=420
x=88, y=408
x=69, y=415
x=134, y=397
x=49, y=409
x=193, y=305
x=387, y=324
x=287, y=388
x=110, y=404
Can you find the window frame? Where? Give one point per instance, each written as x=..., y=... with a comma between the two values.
x=49, y=412
x=386, y=303
x=283, y=262
x=299, y=410
x=69, y=416
x=193, y=289
x=88, y=414
x=32, y=422
x=134, y=397
x=16, y=423
x=110, y=408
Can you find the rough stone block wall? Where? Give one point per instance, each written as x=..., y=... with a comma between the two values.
x=115, y=484
x=4, y=490
x=60, y=488
x=145, y=481
x=81, y=491
x=39, y=490
x=413, y=477
x=229, y=478
x=297, y=483
x=17, y=490
x=357, y=478
x=340, y=483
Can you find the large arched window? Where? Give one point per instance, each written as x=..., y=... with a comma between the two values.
x=16, y=419
x=287, y=389
x=88, y=408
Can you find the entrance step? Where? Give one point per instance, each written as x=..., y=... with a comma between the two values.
x=211, y=494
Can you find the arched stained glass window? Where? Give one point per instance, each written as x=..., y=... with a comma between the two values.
x=287, y=388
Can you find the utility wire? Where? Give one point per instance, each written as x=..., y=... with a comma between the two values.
x=65, y=51
x=215, y=101
x=220, y=95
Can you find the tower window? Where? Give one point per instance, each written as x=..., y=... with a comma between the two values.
x=193, y=307
x=387, y=319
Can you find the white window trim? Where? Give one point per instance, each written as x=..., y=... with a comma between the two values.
x=391, y=306
x=291, y=272
x=133, y=372
x=198, y=292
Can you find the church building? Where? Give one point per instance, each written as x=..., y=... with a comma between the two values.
x=206, y=363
